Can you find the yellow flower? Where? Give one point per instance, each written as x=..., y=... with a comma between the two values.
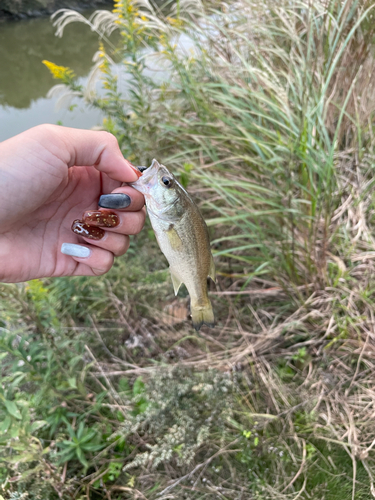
x=178, y=23
x=101, y=50
x=59, y=72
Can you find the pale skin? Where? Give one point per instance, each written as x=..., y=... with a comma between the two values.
x=50, y=175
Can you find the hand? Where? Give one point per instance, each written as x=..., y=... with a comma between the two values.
x=49, y=176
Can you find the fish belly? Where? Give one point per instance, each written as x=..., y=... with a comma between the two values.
x=188, y=253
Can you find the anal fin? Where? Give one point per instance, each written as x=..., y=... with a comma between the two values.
x=176, y=282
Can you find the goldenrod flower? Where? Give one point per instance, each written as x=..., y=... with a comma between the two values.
x=60, y=72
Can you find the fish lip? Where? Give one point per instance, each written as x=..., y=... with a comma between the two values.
x=141, y=184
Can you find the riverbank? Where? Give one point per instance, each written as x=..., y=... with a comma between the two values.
x=23, y=9
x=25, y=83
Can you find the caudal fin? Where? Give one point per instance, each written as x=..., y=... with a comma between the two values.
x=202, y=316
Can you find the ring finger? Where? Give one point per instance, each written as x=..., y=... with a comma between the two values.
x=115, y=221
x=118, y=244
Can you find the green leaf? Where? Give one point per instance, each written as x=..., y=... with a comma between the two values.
x=80, y=431
x=18, y=379
x=124, y=385
x=82, y=458
x=12, y=409
x=4, y=426
x=14, y=431
x=38, y=424
x=93, y=447
x=72, y=382
x=66, y=455
x=138, y=386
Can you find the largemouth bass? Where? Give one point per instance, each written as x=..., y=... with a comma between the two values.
x=182, y=236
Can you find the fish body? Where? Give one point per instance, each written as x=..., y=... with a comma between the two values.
x=182, y=236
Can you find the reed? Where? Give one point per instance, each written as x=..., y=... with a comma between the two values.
x=259, y=103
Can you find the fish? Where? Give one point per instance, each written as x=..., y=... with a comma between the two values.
x=182, y=235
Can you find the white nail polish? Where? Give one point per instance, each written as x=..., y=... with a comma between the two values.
x=75, y=250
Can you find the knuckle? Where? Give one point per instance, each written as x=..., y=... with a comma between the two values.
x=137, y=222
x=98, y=272
x=105, y=265
x=46, y=129
x=109, y=138
x=122, y=247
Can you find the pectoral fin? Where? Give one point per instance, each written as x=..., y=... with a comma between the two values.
x=174, y=238
x=176, y=282
x=212, y=271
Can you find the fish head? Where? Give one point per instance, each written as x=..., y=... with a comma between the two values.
x=162, y=192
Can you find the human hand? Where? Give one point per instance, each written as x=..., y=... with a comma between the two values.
x=49, y=176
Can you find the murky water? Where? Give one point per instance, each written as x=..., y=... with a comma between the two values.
x=25, y=81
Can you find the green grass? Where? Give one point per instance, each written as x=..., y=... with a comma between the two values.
x=268, y=122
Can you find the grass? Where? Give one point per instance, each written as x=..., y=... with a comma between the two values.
x=106, y=390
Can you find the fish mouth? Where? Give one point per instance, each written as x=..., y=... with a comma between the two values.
x=144, y=183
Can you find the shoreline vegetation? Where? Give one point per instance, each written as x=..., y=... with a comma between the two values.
x=266, y=114
x=14, y=10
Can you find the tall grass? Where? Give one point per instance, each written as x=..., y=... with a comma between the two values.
x=258, y=102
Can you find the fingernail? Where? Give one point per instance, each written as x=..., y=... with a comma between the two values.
x=101, y=219
x=142, y=169
x=91, y=232
x=139, y=174
x=114, y=200
x=75, y=250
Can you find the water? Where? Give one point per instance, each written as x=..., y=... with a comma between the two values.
x=25, y=81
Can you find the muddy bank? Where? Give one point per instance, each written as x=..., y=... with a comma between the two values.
x=22, y=9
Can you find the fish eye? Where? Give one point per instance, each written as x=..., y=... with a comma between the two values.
x=167, y=181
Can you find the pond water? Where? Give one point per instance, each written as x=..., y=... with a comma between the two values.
x=25, y=81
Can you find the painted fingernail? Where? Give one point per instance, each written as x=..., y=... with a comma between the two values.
x=139, y=173
x=75, y=250
x=101, y=219
x=114, y=200
x=141, y=169
x=91, y=232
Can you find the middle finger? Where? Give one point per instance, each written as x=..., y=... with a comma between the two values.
x=122, y=198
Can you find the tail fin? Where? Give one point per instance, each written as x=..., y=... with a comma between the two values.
x=202, y=315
